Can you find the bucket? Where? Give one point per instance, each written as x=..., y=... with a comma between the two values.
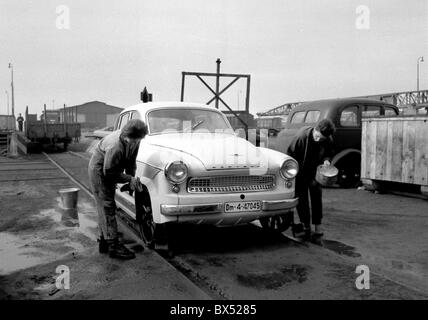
x=326, y=175
x=69, y=197
x=70, y=217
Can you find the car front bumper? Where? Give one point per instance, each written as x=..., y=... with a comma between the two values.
x=213, y=213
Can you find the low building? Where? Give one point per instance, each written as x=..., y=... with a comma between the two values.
x=52, y=116
x=91, y=115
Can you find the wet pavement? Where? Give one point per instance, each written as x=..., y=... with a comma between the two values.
x=243, y=262
x=37, y=235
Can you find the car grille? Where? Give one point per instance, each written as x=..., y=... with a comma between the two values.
x=230, y=184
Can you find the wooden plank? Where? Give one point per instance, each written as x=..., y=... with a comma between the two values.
x=381, y=145
x=389, y=146
x=397, y=151
x=363, y=149
x=372, y=149
x=408, y=165
x=421, y=152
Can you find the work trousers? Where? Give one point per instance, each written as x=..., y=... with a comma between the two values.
x=305, y=186
x=106, y=206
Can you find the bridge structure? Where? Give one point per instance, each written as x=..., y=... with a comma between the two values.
x=407, y=101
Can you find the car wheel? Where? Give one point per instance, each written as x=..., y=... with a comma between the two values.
x=147, y=227
x=349, y=172
x=278, y=223
x=349, y=177
x=144, y=216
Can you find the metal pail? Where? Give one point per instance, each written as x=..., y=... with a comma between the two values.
x=326, y=175
x=69, y=197
x=70, y=217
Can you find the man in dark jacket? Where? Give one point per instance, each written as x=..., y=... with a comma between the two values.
x=311, y=147
x=114, y=154
x=20, y=120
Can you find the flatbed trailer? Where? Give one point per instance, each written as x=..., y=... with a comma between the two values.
x=46, y=133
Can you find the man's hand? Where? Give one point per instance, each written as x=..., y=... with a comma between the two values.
x=327, y=163
x=136, y=184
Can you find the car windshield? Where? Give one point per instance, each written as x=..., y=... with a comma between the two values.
x=186, y=120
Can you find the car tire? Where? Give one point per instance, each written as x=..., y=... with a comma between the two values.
x=147, y=228
x=278, y=223
x=145, y=220
x=349, y=176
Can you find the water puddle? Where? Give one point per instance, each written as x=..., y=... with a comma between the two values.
x=82, y=220
x=341, y=248
x=55, y=233
x=16, y=253
x=274, y=279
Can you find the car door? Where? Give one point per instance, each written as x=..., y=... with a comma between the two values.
x=348, y=128
x=123, y=199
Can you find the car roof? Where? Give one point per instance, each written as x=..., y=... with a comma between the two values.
x=337, y=103
x=145, y=107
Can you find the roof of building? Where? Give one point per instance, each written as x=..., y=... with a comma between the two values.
x=90, y=102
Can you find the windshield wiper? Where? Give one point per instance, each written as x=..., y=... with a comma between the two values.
x=197, y=124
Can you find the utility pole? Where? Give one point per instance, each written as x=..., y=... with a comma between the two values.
x=217, y=83
x=13, y=95
x=7, y=97
x=420, y=59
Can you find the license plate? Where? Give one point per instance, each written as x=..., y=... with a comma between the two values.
x=242, y=206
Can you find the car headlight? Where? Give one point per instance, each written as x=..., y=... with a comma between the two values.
x=289, y=169
x=176, y=171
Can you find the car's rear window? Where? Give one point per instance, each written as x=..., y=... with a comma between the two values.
x=371, y=111
x=312, y=116
x=298, y=117
x=390, y=112
x=349, y=117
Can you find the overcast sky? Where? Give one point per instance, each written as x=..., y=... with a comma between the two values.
x=293, y=50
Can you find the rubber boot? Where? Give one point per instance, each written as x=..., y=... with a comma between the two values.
x=319, y=232
x=307, y=235
x=119, y=251
x=302, y=232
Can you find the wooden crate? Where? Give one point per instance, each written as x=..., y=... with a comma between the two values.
x=395, y=149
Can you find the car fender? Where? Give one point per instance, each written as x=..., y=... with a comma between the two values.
x=342, y=154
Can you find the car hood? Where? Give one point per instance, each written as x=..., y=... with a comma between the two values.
x=214, y=151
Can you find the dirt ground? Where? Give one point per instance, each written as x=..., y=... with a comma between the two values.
x=383, y=231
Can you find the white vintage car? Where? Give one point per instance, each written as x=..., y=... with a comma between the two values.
x=195, y=169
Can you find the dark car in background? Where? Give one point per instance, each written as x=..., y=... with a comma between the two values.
x=346, y=114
